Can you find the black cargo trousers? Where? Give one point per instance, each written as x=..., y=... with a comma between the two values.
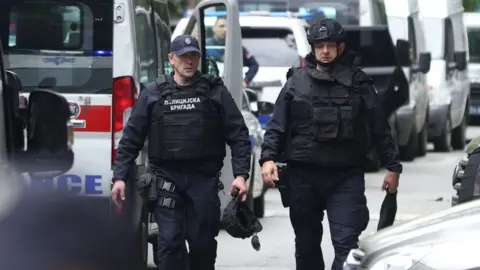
x=342, y=194
x=188, y=209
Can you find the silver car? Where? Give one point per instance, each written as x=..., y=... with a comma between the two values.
x=444, y=240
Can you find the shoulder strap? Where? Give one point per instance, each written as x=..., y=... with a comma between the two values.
x=161, y=85
x=291, y=71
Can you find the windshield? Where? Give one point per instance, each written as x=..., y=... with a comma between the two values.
x=435, y=41
x=345, y=11
x=374, y=47
x=271, y=47
x=474, y=44
x=64, y=47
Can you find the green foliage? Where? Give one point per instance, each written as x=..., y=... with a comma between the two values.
x=470, y=5
x=177, y=8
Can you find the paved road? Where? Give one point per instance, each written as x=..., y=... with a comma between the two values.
x=424, y=188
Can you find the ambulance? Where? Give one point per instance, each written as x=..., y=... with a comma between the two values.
x=98, y=54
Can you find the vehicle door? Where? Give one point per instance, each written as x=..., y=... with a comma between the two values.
x=453, y=74
x=232, y=70
x=376, y=55
x=418, y=87
x=66, y=46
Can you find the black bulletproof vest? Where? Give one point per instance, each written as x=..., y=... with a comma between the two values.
x=328, y=118
x=185, y=124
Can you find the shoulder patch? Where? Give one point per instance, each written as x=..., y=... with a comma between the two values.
x=291, y=71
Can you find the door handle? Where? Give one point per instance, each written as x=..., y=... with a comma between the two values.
x=78, y=123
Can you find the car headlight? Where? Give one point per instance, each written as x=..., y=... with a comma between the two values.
x=401, y=260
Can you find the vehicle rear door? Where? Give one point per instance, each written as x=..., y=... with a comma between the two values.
x=66, y=46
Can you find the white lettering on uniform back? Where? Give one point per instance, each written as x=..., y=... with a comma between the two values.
x=182, y=104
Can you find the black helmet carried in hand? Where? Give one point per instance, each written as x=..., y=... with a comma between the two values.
x=240, y=222
x=325, y=30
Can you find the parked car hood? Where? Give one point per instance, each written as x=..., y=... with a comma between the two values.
x=436, y=226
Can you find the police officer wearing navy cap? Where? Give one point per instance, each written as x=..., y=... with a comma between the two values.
x=324, y=117
x=188, y=118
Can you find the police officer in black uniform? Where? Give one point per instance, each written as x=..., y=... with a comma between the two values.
x=321, y=125
x=188, y=118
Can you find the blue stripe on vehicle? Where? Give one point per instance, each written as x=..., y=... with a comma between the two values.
x=264, y=119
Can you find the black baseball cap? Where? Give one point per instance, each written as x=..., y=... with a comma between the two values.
x=184, y=44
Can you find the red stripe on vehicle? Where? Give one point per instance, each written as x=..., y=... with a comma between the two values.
x=97, y=119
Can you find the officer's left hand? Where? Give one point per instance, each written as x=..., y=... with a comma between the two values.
x=245, y=84
x=390, y=182
x=241, y=185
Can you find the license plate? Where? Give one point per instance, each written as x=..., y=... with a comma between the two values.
x=475, y=110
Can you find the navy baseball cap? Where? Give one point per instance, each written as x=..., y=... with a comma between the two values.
x=184, y=44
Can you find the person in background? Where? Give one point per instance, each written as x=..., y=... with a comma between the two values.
x=218, y=39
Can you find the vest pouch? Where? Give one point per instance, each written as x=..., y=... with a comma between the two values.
x=347, y=116
x=326, y=123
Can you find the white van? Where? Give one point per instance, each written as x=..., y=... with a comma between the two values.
x=448, y=82
x=96, y=54
x=411, y=120
x=472, y=23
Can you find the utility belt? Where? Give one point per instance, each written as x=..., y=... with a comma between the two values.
x=148, y=185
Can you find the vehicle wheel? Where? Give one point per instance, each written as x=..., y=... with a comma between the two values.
x=409, y=152
x=443, y=142
x=259, y=206
x=459, y=135
x=423, y=140
x=155, y=251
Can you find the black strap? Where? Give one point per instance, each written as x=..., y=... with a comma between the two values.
x=165, y=185
x=167, y=202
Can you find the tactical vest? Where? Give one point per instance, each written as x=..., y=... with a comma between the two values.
x=328, y=119
x=185, y=124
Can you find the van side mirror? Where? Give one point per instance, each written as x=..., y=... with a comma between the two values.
x=48, y=153
x=403, y=53
x=424, y=60
x=212, y=68
x=460, y=59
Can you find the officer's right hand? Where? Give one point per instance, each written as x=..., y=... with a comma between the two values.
x=118, y=193
x=269, y=173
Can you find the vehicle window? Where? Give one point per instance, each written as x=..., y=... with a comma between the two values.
x=412, y=39
x=436, y=33
x=163, y=35
x=64, y=47
x=474, y=44
x=374, y=47
x=449, y=42
x=379, y=12
x=271, y=47
x=145, y=41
